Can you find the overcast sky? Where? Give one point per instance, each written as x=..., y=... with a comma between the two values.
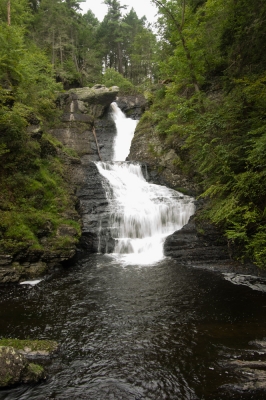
x=142, y=7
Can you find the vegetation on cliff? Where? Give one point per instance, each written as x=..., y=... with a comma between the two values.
x=209, y=106
x=211, y=109
x=47, y=46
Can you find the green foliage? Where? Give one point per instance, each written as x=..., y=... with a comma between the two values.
x=113, y=78
x=21, y=14
x=214, y=109
x=34, y=345
x=11, y=50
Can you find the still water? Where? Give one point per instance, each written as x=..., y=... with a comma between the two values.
x=163, y=331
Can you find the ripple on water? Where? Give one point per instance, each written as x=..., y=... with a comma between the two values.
x=155, y=332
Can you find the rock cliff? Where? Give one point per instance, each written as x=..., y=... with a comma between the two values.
x=163, y=160
x=89, y=130
x=132, y=106
x=86, y=133
x=86, y=109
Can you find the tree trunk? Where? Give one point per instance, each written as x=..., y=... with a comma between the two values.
x=9, y=12
x=120, y=61
x=53, y=50
x=61, y=51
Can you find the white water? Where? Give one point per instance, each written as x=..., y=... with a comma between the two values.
x=125, y=131
x=143, y=214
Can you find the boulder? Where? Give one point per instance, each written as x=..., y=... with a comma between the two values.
x=92, y=101
x=132, y=106
x=15, y=368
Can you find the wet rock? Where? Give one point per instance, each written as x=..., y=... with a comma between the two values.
x=75, y=136
x=15, y=368
x=198, y=244
x=249, y=369
x=95, y=211
x=164, y=163
x=32, y=349
x=69, y=117
x=85, y=109
x=9, y=275
x=132, y=106
x=5, y=260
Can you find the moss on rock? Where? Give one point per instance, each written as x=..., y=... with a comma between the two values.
x=15, y=368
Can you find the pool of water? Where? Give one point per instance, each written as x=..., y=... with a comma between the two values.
x=162, y=331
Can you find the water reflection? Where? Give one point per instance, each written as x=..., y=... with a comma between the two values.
x=158, y=332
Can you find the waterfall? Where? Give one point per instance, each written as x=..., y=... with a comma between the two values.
x=125, y=131
x=142, y=214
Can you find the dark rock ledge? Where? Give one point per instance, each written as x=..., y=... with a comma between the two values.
x=202, y=244
x=194, y=244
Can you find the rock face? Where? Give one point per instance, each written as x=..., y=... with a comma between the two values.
x=15, y=368
x=84, y=109
x=163, y=162
x=132, y=106
x=93, y=208
x=86, y=128
x=197, y=244
x=249, y=367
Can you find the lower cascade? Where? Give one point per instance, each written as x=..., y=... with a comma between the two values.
x=142, y=214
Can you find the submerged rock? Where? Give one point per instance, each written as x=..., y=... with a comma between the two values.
x=249, y=368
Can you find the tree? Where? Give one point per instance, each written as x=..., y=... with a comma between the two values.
x=175, y=14
x=218, y=44
x=128, y=45
x=8, y=13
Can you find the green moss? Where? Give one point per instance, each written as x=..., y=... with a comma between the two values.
x=34, y=345
x=182, y=190
x=200, y=231
x=5, y=380
x=34, y=204
x=35, y=369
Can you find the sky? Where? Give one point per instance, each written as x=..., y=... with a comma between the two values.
x=142, y=7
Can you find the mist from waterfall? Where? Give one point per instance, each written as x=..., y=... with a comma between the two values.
x=142, y=214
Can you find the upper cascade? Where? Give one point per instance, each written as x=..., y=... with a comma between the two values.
x=125, y=131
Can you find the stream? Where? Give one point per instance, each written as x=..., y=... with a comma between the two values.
x=135, y=325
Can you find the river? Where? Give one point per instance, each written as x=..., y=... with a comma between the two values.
x=137, y=327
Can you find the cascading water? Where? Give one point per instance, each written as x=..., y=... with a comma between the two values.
x=166, y=332
x=125, y=128
x=142, y=214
